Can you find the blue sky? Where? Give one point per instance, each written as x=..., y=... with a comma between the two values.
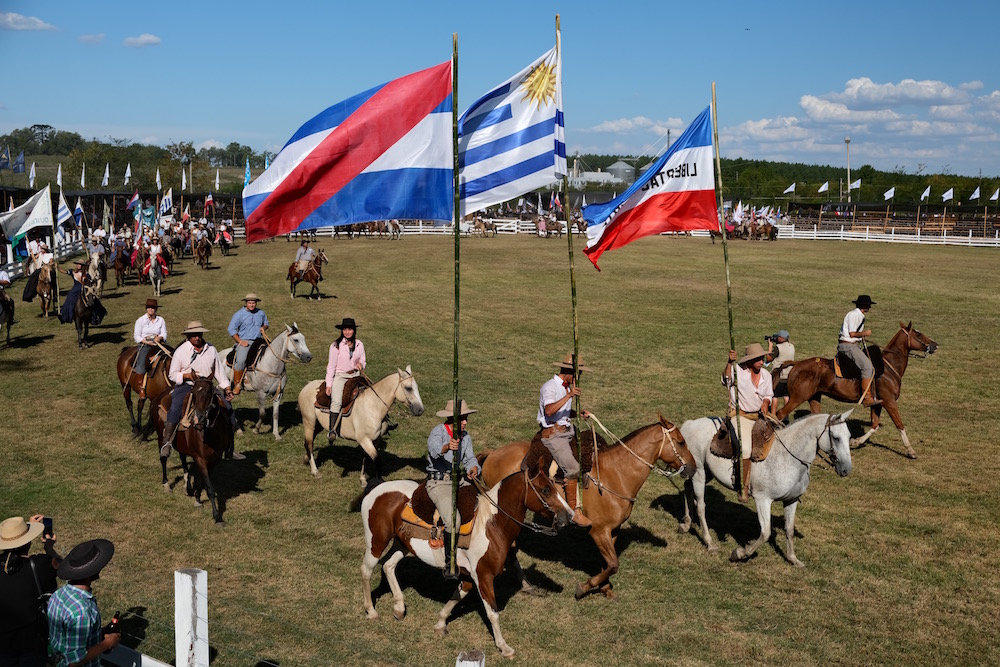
x=915, y=85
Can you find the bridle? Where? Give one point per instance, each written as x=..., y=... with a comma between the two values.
x=819, y=449
x=530, y=525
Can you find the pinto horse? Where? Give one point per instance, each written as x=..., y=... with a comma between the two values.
x=499, y=518
x=619, y=471
x=205, y=441
x=811, y=378
x=155, y=384
x=312, y=275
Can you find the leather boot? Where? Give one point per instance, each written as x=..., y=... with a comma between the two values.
x=141, y=378
x=169, y=431
x=868, y=391
x=238, y=381
x=446, y=571
x=571, y=500
x=744, y=496
x=332, y=433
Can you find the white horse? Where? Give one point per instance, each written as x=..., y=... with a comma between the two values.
x=156, y=275
x=783, y=475
x=268, y=378
x=368, y=421
x=96, y=278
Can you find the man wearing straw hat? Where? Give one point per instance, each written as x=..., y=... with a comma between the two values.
x=150, y=330
x=755, y=395
x=248, y=324
x=304, y=257
x=558, y=435
x=852, y=336
x=443, y=443
x=74, y=619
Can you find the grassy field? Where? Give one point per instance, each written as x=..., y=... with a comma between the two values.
x=901, y=569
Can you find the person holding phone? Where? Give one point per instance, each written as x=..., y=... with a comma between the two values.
x=74, y=619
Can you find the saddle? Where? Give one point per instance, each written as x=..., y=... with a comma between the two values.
x=352, y=389
x=424, y=522
x=539, y=457
x=725, y=444
x=253, y=355
x=187, y=412
x=844, y=367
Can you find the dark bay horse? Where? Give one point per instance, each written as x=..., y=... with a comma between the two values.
x=619, y=471
x=202, y=252
x=122, y=266
x=208, y=437
x=83, y=311
x=157, y=382
x=499, y=519
x=812, y=378
x=312, y=275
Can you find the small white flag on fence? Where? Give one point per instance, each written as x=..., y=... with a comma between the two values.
x=59, y=175
x=790, y=188
x=31, y=176
x=159, y=186
x=83, y=176
x=217, y=178
x=996, y=195
x=948, y=195
x=184, y=179
x=890, y=193
x=107, y=175
x=128, y=173
x=856, y=185
x=974, y=195
x=927, y=193
x=824, y=187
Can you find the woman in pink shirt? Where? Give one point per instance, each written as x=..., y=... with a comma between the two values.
x=347, y=360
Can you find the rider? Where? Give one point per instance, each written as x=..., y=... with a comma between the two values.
x=303, y=258
x=247, y=325
x=192, y=359
x=155, y=255
x=6, y=298
x=558, y=435
x=442, y=442
x=755, y=397
x=150, y=330
x=347, y=360
x=852, y=334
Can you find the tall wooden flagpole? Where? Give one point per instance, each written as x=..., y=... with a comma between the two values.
x=457, y=404
x=729, y=287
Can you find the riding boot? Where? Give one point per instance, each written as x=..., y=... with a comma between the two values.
x=446, y=570
x=744, y=496
x=141, y=377
x=238, y=381
x=571, y=500
x=332, y=433
x=169, y=431
x=868, y=392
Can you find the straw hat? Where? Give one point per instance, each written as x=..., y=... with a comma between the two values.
x=251, y=297
x=193, y=327
x=567, y=362
x=753, y=351
x=86, y=560
x=449, y=409
x=16, y=532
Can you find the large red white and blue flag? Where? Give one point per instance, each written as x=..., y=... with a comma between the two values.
x=676, y=194
x=383, y=154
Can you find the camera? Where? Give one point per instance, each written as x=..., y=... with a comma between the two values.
x=770, y=338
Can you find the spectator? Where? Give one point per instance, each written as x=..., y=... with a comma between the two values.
x=780, y=350
x=74, y=619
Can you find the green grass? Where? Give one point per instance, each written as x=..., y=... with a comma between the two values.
x=899, y=554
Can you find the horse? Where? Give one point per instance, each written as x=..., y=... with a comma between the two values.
x=619, y=471
x=6, y=314
x=156, y=276
x=83, y=310
x=205, y=441
x=122, y=266
x=312, y=275
x=268, y=377
x=141, y=254
x=98, y=272
x=811, y=378
x=155, y=384
x=368, y=421
x=395, y=230
x=44, y=288
x=499, y=517
x=783, y=475
x=176, y=247
x=202, y=252
x=553, y=227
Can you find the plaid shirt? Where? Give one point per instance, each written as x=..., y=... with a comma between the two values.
x=74, y=625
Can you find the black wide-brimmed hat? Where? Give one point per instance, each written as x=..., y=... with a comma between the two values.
x=864, y=301
x=86, y=560
x=348, y=323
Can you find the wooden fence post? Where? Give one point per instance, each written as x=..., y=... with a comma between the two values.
x=191, y=617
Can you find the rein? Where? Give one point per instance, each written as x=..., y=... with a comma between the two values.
x=530, y=525
x=826, y=427
x=601, y=486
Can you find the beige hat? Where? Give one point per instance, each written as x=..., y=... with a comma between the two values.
x=449, y=409
x=251, y=297
x=16, y=532
x=567, y=362
x=194, y=326
x=753, y=351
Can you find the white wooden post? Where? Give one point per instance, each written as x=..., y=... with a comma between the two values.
x=191, y=617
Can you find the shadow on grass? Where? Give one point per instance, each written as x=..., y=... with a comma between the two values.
x=115, y=337
x=230, y=478
x=26, y=341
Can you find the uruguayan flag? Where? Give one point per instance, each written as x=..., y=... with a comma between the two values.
x=167, y=202
x=512, y=139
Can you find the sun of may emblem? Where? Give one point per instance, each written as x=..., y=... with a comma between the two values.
x=540, y=84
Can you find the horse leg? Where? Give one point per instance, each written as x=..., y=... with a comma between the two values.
x=441, y=627
x=764, y=518
x=389, y=570
x=513, y=565
x=309, y=432
x=210, y=490
x=699, y=503
x=275, y=410
x=163, y=466
x=127, y=393
x=790, y=534
x=488, y=596
x=605, y=539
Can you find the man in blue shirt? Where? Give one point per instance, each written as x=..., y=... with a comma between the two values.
x=248, y=324
x=74, y=619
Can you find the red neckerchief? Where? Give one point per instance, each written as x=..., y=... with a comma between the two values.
x=447, y=427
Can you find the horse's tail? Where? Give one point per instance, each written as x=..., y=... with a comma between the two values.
x=150, y=426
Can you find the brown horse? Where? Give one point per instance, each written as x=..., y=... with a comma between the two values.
x=619, y=471
x=499, y=519
x=46, y=288
x=202, y=252
x=157, y=382
x=141, y=254
x=83, y=310
x=312, y=275
x=208, y=437
x=811, y=378
x=122, y=266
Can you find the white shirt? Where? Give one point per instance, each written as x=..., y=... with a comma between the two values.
x=4, y=276
x=853, y=321
x=751, y=397
x=552, y=392
x=187, y=359
x=154, y=250
x=148, y=328
x=45, y=257
x=33, y=247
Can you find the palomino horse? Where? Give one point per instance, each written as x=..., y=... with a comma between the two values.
x=368, y=422
x=155, y=384
x=814, y=377
x=268, y=377
x=619, y=471
x=783, y=475
x=202, y=252
x=312, y=275
x=499, y=519
x=208, y=437
x=46, y=287
x=98, y=272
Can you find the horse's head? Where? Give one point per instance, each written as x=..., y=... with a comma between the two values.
x=408, y=392
x=838, y=442
x=296, y=344
x=674, y=451
x=917, y=341
x=202, y=400
x=322, y=258
x=543, y=497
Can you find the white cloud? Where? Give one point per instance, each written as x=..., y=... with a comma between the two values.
x=92, y=39
x=145, y=39
x=12, y=21
x=210, y=143
x=865, y=93
x=636, y=124
x=826, y=111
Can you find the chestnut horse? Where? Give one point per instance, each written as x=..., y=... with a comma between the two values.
x=312, y=275
x=619, y=471
x=202, y=252
x=811, y=378
x=205, y=441
x=122, y=266
x=157, y=382
x=499, y=519
x=46, y=287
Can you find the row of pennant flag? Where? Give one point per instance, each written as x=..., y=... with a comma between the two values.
x=947, y=195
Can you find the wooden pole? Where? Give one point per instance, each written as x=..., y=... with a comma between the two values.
x=457, y=409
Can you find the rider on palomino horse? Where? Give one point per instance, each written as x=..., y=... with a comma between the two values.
x=150, y=330
x=755, y=396
x=852, y=336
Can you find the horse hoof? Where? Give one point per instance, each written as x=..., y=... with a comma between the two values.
x=911, y=454
x=713, y=548
x=736, y=556
x=440, y=632
x=166, y=488
x=580, y=592
x=507, y=652
x=399, y=614
x=219, y=523
x=682, y=529
x=276, y=436
x=372, y=615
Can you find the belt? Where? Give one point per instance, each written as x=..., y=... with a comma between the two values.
x=439, y=476
x=556, y=428
x=752, y=416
